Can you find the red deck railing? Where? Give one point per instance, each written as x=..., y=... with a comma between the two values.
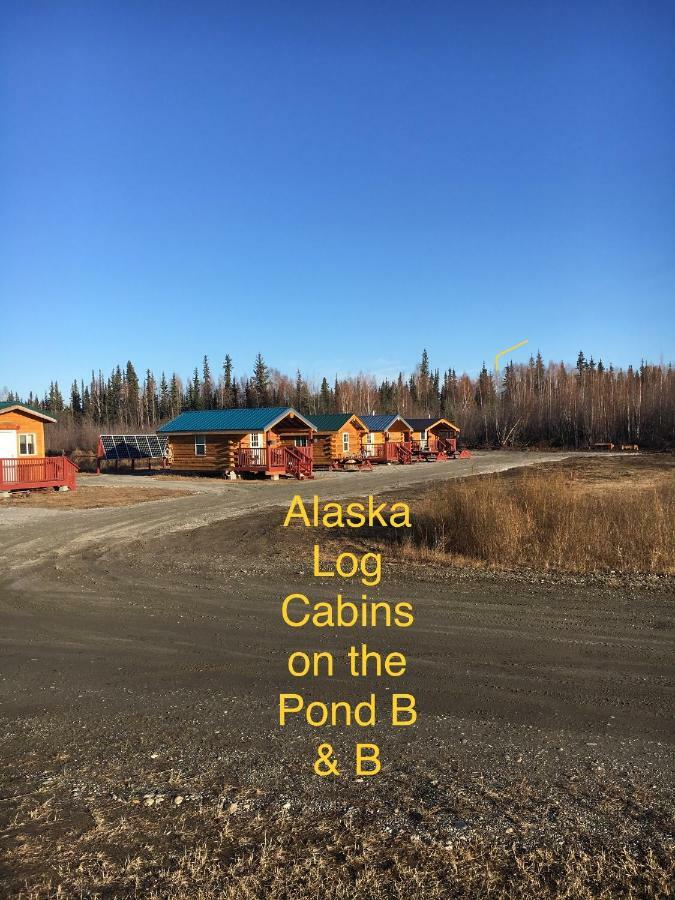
x=30, y=473
x=390, y=451
x=375, y=452
x=252, y=458
x=434, y=446
x=299, y=462
x=448, y=445
x=295, y=461
x=404, y=453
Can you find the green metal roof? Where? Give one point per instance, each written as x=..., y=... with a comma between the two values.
x=203, y=421
x=381, y=423
x=331, y=421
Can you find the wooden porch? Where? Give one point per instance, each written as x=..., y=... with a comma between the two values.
x=36, y=472
x=295, y=462
x=388, y=452
x=434, y=448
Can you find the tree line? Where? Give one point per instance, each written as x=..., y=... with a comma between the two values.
x=530, y=404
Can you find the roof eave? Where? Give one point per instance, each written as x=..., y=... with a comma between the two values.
x=288, y=412
x=396, y=418
x=29, y=412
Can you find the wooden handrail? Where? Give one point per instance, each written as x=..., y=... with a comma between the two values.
x=296, y=461
x=26, y=473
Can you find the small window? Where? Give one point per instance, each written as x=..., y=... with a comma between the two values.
x=200, y=445
x=423, y=435
x=256, y=439
x=27, y=445
x=345, y=442
x=300, y=442
x=370, y=438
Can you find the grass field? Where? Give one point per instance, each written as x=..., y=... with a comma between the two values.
x=583, y=515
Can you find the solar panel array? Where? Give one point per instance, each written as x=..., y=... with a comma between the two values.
x=133, y=446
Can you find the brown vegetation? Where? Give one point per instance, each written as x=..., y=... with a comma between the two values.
x=409, y=838
x=90, y=497
x=576, y=517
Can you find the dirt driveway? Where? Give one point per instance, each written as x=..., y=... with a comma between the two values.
x=30, y=536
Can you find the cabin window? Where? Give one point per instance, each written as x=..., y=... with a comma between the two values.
x=345, y=442
x=27, y=444
x=200, y=445
x=300, y=442
x=370, y=438
x=256, y=440
x=423, y=435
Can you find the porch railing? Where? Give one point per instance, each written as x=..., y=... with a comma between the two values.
x=22, y=474
x=448, y=445
x=390, y=451
x=435, y=445
x=295, y=461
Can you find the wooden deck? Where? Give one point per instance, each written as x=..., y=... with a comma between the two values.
x=296, y=462
x=388, y=452
x=434, y=448
x=35, y=472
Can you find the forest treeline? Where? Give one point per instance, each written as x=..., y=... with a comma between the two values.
x=531, y=404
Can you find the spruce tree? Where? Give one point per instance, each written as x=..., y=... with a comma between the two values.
x=325, y=400
x=228, y=393
x=133, y=397
x=207, y=385
x=261, y=382
x=75, y=401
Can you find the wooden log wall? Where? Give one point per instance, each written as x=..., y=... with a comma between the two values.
x=220, y=453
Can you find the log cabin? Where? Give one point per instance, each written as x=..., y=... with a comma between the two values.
x=23, y=461
x=387, y=439
x=433, y=438
x=269, y=441
x=339, y=437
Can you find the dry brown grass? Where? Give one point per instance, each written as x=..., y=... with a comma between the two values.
x=558, y=518
x=218, y=849
x=91, y=497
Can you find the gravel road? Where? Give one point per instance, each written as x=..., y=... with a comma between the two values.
x=30, y=536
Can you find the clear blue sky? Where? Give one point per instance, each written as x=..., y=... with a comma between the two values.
x=337, y=185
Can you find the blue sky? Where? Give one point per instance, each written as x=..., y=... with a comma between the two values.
x=337, y=185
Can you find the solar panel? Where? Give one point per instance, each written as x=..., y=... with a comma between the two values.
x=133, y=446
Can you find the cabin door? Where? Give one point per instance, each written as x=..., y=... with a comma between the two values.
x=257, y=451
x=7, y=452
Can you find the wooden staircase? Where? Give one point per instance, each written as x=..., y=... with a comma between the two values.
x=404, y=453
x=299, y=462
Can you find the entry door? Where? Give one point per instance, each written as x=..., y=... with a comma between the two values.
x=8, y=451
x=257, y=452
